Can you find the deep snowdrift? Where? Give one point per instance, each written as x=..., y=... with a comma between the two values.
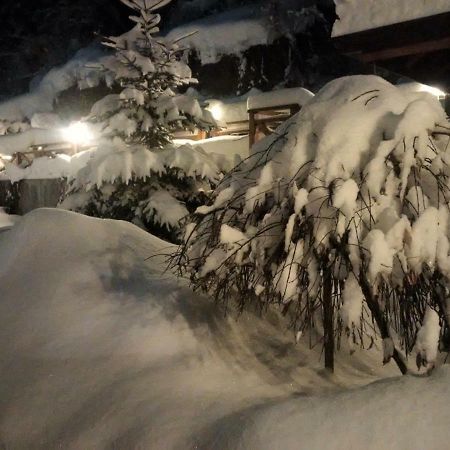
x=100, y=349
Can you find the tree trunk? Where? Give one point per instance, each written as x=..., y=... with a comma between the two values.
x=380, y=320
x=328, y=319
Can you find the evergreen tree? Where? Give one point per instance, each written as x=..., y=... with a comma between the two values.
x=135, y=174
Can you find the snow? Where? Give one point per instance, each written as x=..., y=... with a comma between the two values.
x=229, y=235
x=290, y=96
x=193, y=161
x=98, y=346
x=167, y=210
x=42, y=95
x=219, y=202
x=21, y=142
x=428, y=234
x=428, y=338
x=59, y=166
x=117, y=161
x=301, y=199
x=345, y=196
x=359, y=15
x=396, y=414
x=228, y=33
x=206, y=157
x=6, y=220
x=352, y=303
x=102, y=348
x=256, y=194
x=46, y=121
x=226, y=150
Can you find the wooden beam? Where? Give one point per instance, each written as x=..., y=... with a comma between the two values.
x=252, y=128
x=406, y=50
x=274, y=108
x=281, y=117
x=328, y=318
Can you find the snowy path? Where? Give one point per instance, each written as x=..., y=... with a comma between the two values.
x=99, y=350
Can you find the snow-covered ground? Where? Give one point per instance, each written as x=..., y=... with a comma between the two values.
x=359, y=15
x=101, y=349
x=6, y=220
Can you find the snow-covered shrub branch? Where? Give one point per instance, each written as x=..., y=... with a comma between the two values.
x=341, y=217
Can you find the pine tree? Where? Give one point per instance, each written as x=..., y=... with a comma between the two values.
x=149, y=71
x=135, y=174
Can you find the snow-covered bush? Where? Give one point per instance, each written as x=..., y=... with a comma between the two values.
x=341, y=217
x=132, y=175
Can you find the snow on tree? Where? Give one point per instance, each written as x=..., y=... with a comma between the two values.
x=341, y=218
x=135, y=174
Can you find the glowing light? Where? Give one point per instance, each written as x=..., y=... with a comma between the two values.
x=216, y=110
x=78, y=133
x=432, y=90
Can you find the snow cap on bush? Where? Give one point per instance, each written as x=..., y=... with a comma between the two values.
x=354, y=188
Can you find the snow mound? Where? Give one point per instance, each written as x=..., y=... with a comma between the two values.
x=404, y=413
x=374, y=14
x=41, y=97
x=100, y=349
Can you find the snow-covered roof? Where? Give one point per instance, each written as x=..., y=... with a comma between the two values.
x=228, y=33
x=359, y=15
x=21, y=142
x=42, y=94
x=291, y=96
x=45, y=168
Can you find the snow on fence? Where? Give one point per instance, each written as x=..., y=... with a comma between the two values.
x=269, y=110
